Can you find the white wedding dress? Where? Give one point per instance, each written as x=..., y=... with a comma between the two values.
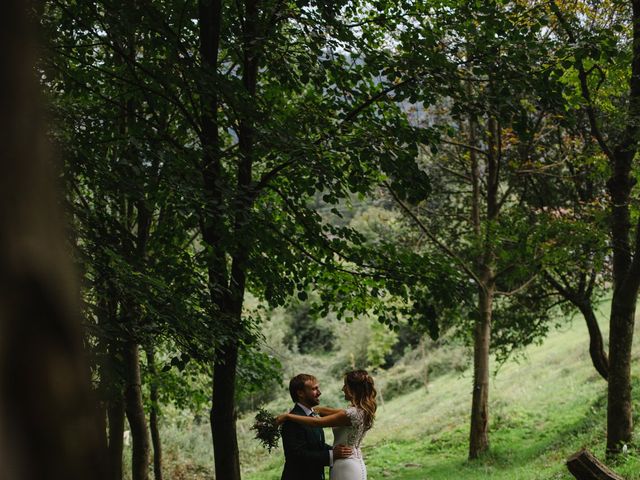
x=353, y=467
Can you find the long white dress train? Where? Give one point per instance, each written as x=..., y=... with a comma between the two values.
x=353, y=467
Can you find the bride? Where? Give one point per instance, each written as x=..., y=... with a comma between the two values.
x=349, y=425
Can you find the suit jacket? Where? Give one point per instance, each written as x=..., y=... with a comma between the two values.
x=305, y=451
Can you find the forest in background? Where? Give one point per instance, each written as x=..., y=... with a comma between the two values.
x=453, y=168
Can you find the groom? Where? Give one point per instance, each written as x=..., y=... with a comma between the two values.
x=305, y=452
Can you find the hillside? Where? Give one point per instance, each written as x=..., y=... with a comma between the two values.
x=544, y=406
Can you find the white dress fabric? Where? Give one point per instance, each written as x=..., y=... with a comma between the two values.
x=353, y=467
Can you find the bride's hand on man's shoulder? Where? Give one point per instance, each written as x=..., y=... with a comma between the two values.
x=280, y=419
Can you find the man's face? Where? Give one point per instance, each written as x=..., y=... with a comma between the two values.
x=310, y=395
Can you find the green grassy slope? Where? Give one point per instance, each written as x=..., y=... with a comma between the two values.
x=542, y=408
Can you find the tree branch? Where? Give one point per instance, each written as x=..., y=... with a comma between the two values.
x=517, y=289
x=433, y=238
x=584, y=86
x=464, y=145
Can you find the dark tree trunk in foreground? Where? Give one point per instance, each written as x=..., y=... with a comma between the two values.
x=153, y=416
x=223, y=411
x=48, y=418
x=134, y=408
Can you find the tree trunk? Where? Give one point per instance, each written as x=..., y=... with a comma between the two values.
x=135, y=413
x=619, y=407
x=479, y=435
x=116, y=434
x=626, y=268
x=223, y=414
x=48, y=423
x=580, y=297
x=596, y=344
x=153, y=417
x=623, y=305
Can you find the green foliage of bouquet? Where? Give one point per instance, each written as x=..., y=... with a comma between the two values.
x=266, y=429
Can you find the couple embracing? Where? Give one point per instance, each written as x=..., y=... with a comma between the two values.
x=306, y=453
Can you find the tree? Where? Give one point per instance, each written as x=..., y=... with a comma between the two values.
x=491, y=59
x=590, y=47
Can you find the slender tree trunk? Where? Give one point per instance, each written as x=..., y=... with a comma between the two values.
x=223, y=411
x=134, y=409
x=479, y=434
x=223, y=414
x=596, y=343
x=619, y=406
x=111, y=377
x=223, y=408
x=623, y=304
x=157, y=445
x=153, y=417
x=115, y=414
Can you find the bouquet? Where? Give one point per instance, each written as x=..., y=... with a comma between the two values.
x=266, y=429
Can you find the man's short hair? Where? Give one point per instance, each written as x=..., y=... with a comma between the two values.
x=297, y=383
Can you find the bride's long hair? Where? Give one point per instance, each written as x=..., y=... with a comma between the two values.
x=363, y=393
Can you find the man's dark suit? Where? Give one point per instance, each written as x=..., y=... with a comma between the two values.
x=305, y=452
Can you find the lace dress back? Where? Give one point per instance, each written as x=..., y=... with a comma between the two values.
x=353, y=434
x=353, y=467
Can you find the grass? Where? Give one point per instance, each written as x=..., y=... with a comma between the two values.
x=543, y=407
